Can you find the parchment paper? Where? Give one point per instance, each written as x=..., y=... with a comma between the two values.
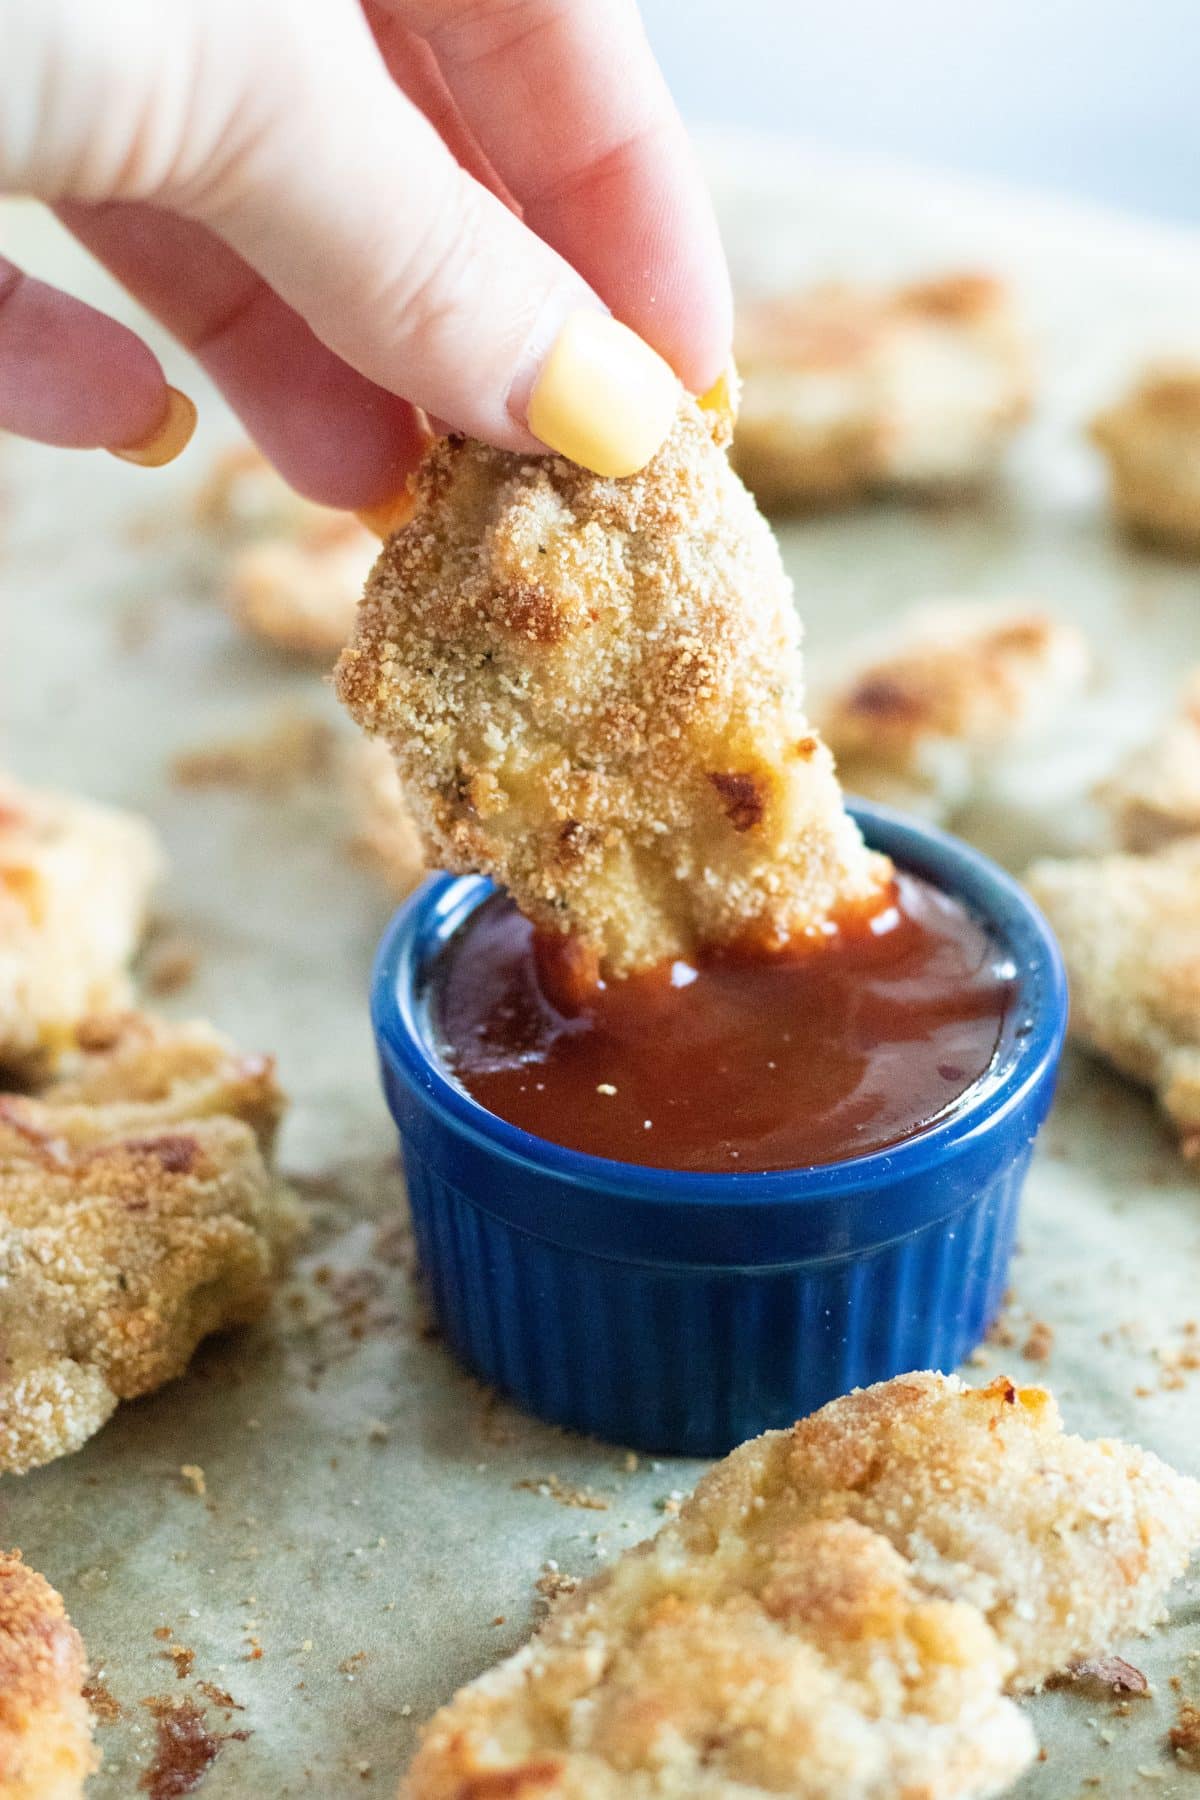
x=372, y=1522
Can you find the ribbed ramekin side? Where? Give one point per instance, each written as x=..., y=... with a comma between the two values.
x=692, y=1360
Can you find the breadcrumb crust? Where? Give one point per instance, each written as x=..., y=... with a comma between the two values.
x=137, y=1215
x=46, y=1749
x=847, y=391
x=1151, y=440
x=1129, y=928
x=924, y=708
x=75, y=885
x=836, y=1612
x=592, y=689
x=1154, y=796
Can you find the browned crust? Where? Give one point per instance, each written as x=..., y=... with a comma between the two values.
x=46, y=1750
x=593, y=691
x=138, y=1213
x=849, y=391
x=1151, y=439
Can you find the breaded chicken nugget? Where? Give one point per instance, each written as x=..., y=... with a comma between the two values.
x=75, y=883
x=1151, y=439
x=593, y=692
x=137, y=1215
x=1065, y=1545
x=385, y=831
x=129, y=1073
x=46, y=1749
x=801, y=1661
x=295, y=570
x=1129, y=927
x=928, y=705
x=847, y=391
x=1154, y=796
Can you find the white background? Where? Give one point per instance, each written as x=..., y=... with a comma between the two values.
x=1097, y=98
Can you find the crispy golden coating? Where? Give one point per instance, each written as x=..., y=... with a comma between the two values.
x=835, y=1614
x=848, y=391
x=1151, y=440
x=385, y=831
x=803, y=1661
x=593, y=692
x=926, y=707
x=128, y=1073
x=1154, y=796
x=295, y=570
x=137, y=1215
x=1129, y=927
x=75, y=884
x=1065, y=1545
x=46, y=1749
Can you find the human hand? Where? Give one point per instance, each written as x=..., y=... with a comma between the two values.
x=350, y=208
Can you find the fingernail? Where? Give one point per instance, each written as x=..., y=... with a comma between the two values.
x=603, y=397
x=388, y=516
x=168, y=440
x=722, y=398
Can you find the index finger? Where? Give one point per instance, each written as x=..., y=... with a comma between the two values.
x=570, y=108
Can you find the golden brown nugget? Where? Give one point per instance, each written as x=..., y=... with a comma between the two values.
x=131, y=1073
x=385, y=831
x=75, y=886
x=804, y=1661
x=1151, y=440
x=137, y=1215
x=1155, y=794
x=1065, y=1545
x=929, y=705
x=593, y=691
x=46, y=1748
x=848, y=391
x=1129, y=927
x=295, y=570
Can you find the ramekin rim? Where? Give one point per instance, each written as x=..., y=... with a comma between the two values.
x=1011, y=911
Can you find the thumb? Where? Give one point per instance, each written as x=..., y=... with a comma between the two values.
x=351, y=207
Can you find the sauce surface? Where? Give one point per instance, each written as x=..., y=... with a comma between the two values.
x=737, y=1063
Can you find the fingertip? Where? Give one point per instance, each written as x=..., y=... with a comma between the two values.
x=169, y=439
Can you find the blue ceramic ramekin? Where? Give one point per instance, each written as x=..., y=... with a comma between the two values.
x=682, y=1312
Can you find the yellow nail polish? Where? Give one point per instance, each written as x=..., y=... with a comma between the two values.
x=722, y=398
x=389, y=516
x=603, y=397
x=168, y=441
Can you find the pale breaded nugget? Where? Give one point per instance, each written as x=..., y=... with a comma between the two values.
x=137, y=1215
x=929, y=704
x=295, y=570
x=1065, y=1545
x=1155, y=794
x=46, y=1749
x=131, y=1072
x=593, y=692
x=835, y=1613
x=1151, y=439
x=75, y=884
x=847, y=391
x=803, y=1661
x=1129, y=927
x=385, y=831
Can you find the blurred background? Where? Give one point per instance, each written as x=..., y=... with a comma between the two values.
x=1092, y=98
